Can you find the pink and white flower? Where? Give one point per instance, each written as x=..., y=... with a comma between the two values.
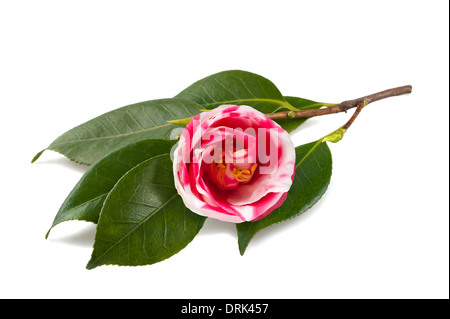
x=233, y=164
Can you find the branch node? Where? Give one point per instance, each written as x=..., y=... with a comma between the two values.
x=344, y=106
x=291, y=114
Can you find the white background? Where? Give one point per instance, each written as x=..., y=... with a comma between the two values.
x=380, y=231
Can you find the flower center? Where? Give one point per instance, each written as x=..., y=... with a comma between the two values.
x=244, y=175
x=228, y=177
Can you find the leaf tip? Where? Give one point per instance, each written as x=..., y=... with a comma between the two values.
x=243, y=247
x=35, y=158
x=91, y=265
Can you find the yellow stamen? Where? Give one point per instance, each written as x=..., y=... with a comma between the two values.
x=220, y=165
x=244, y=175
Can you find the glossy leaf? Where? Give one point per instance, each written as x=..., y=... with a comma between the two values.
x=90, y=141
x=86, y=199
x=236, y=87
x=245, y=88
x=144, y=220
x=312, y=176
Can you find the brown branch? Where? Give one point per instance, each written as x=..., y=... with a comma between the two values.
x=344, y=106
x=338, y=134
x=355, y=115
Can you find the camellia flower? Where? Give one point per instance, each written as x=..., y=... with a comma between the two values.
x=233, y=164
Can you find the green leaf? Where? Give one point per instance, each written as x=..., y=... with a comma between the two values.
x=238, y=88
x=305, y=104
x=144, y=220
x=312, y=176
x=244, y=88
x=90, y=141
x=86, y=199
